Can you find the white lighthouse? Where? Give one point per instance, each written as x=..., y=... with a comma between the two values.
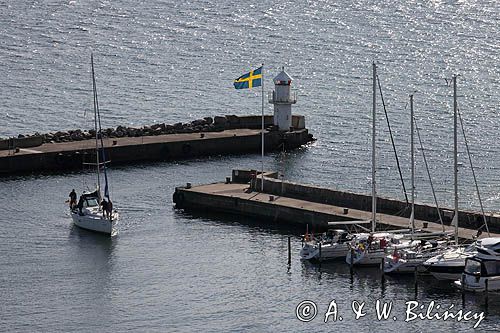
x=282, y=101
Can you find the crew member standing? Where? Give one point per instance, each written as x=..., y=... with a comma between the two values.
x=72, y=199
x=104, y=205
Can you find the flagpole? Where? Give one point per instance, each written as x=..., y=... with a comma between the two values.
x=262, y=134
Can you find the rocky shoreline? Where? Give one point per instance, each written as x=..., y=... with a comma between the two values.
x=207, y=124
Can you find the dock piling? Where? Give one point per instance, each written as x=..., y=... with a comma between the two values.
x=382, y=267
x=486, y=296
x=416, y=281
x=351, y=261
x=289, y=252
x=462, y=289
x=320, y=252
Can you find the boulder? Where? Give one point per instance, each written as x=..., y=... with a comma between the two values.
x=220, y=121
x=198, y=122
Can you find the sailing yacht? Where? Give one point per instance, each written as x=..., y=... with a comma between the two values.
x=88, y=213
x=450, y=264
x=370, y=249
x=330, y=246
x=407, y=260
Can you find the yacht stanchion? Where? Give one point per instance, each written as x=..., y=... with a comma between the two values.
x=289, y=252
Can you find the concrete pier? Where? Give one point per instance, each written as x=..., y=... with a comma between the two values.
x=241, y=198
x=72, y=155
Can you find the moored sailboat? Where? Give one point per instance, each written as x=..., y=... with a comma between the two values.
x=450, y=264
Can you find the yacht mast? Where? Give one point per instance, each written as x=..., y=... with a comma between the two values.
x=455, y=157
x=374, y=191
x=95, y=125
x=412, y=216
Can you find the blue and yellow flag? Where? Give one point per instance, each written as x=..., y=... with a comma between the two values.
x=249, y=80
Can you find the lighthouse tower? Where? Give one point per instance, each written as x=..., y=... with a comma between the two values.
x=282, y=101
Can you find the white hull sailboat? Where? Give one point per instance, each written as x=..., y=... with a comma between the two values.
x=92, y=219
x=88, y=213
x=450, y=264
x=332, y=245
x=411, y=259
x=367, y=250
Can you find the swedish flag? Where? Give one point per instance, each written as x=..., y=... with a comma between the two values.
x=249, y=80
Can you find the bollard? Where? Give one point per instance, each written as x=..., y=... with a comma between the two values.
x=271, y=198
x=289, y=252
x=115, y=142
x=346, y=211
x=188, y=185
x=202, y=135
x=426, y=224
x=228, y=180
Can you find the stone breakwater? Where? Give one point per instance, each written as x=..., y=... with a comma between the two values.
x=159, y=142
x=207, y=124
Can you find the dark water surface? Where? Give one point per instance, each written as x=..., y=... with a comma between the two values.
x=162, y=61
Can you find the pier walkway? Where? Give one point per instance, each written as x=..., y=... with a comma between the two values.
x=239, y=198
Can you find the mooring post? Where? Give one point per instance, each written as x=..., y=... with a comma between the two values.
x=416, y=281
x=462, y=288
x=382, y=268
x=352, y=261
x=486, y=291
x=289, y=252
x=319, y=251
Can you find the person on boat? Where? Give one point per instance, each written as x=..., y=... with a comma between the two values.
x=383, y=243
x=396, y=255
x=370, y=239
x=80, y=205
x=104, y=205
x=110, y=208
x=72, y=199
x=361, y=247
